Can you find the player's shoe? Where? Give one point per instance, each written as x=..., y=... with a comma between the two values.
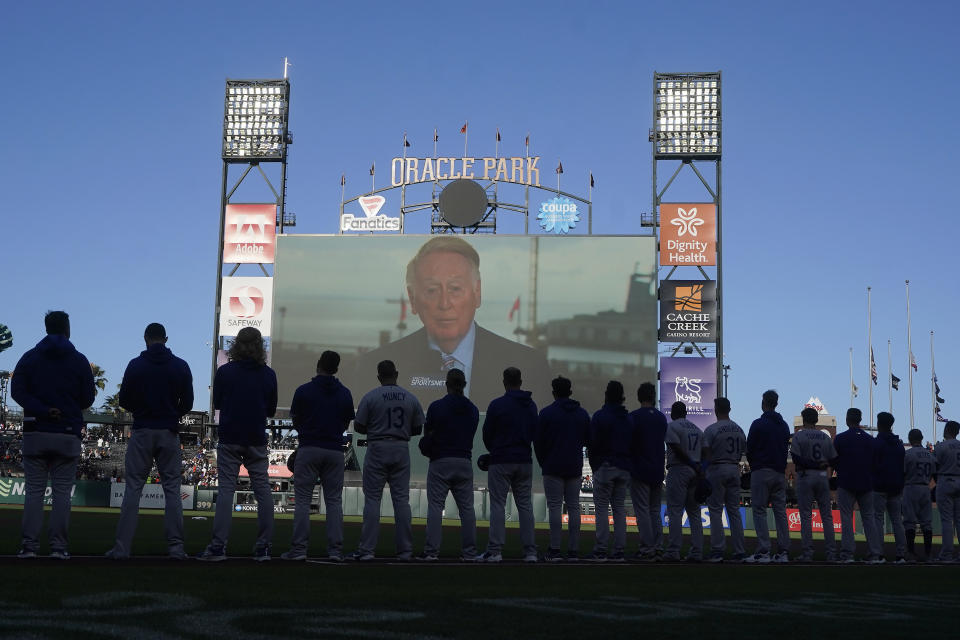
x=670, y=557
x=426, y=557
x=177, y=554
x=261, y=554
x=297, y=556
x=212, y=554
x=758, y=558
x=113, y=554
x=877, y=560
x=848, y=561
x=596, y=556
x=26, y=554
x=572, y=556
x=471, y=559
x=531, y=558
x=693, y=559
x=646, y=556
x=806, y=556
x=738, y=557
x=781, y=557
x=60, y=554
x=900, y=560
x=616, y=556
x=715, y=558
x=553, y=555
x=490, y=556
x=335, y=556
x=404, y=557
x=361, y=556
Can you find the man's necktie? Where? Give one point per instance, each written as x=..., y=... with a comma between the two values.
x=449, y=362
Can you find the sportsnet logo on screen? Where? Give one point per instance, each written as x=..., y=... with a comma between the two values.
x=249, y=234
x=246, y=302
x=688, y=310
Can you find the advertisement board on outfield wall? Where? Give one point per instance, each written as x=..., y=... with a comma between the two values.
x=688, y=310
x=816, y=524
x=249, y=234
x=86, y=493
x=246, y=302
x=153, y=496
x=688, y=234
x=692, y=381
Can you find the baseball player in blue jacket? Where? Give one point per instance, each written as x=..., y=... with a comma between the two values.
x=767, y=442
x=562, y=430
x=888, y=482
x=855, y=459
x=53, y=383
x=647, y=471
x=448, y=442
x=157, y=389
x=508, y=430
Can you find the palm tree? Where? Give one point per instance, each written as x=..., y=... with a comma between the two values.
x=111, y=403
x=99, y=376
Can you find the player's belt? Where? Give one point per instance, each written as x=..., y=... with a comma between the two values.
x=917, y=484
x=379, y=438
x=949, y=475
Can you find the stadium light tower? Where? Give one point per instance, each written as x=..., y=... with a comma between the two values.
x=255, y=131
x=687, y=119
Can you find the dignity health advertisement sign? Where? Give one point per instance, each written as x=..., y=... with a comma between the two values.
x=692, y=381
x=688, y=234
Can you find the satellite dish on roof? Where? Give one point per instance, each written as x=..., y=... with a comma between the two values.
x=463, y=203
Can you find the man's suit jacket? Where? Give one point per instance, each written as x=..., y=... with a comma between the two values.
x=420, y=368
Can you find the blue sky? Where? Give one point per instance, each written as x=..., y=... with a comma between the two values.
x=838, y=146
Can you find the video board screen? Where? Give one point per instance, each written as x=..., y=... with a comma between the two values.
x=581, y=307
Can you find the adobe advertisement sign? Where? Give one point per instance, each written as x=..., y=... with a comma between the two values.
x=245, y=302
x=688, y=234
x=692, y=381
x=688, y=310
x=249, y=234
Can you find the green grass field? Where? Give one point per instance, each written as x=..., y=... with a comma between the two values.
x=156, y=598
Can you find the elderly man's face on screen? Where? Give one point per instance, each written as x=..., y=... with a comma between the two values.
x=445, y=293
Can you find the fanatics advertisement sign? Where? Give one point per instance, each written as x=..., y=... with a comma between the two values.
x=246, y=302
x=688, y=310
x=692, y=381
x=688, y=234
x=249, y=234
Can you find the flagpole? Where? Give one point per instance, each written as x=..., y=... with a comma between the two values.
x=870, y=357
x=373, y=177
x=466, y=136
x=933, y=390
x=910, y=356
x=526, y=189
x=435, y=138
x=889, y=377
x=403, y=183
x=343, y=189
x=852, y=393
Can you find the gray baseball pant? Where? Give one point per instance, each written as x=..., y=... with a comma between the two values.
x=451, y=475
x=892, y=503
x=557, y=491
x=54, y=455
x=681, y=486
x=647, y=499
x=725, y=478
x=769, y=486
x=917, y=508
x=609, y=494
x=145, y=446
x=812, y=486
x=229, y=459
x=327, y=465
x=948, y=496
x=848, y=545
x=387, y=462
x=516, y=477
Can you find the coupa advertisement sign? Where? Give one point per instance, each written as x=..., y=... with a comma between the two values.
x=152, y=496
x=688, y=310
x=87, y=493
x=692, y=381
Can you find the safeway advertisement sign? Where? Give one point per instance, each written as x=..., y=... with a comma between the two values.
x=688, y=234
x=793, y=519
x=249, y=233
x=246, y=302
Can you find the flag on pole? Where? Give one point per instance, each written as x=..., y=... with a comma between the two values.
x=940, y=418
x=936, y=389
x=406, y=142
x=526, y=141
x=873, y=367
x=463, y=129
x=591, y=180
x=913, y=362
x=854, y=389
x=498, y=134
x=343, y=179
x=435, y=136
x=6, y=337
x=514, y=309
x=559, y=168
x=895, y=382
x=373, y=168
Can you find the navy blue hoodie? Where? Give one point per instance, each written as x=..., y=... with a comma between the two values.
x=54, y=375
x=450, y=427
x=562, y=432
x=855, y=458
x=611, y=434
x=646, y=448
x=157, y=389
x=767, y=442
x=245, y=392
x=321, y=410
x=509, y=427
x=888, y=463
